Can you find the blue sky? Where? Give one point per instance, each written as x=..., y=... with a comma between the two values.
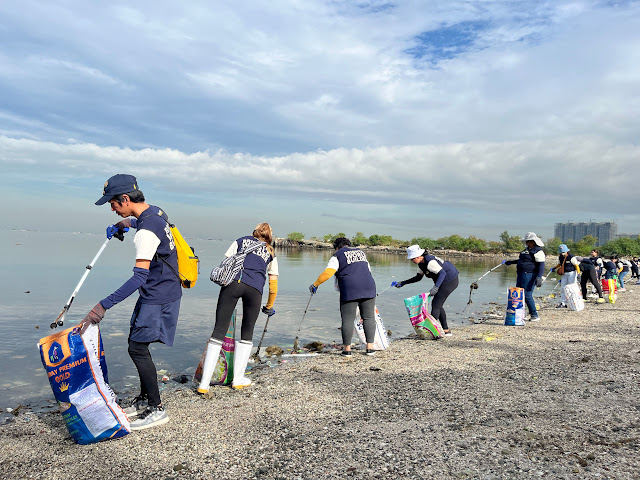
x=409, y=118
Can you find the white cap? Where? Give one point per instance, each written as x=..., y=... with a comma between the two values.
x=534, y=237
x=414, y=251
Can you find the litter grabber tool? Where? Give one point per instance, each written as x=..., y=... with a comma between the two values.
x=474, y=285
x=60, y=320
x=544, y=278
x=380, y=293
x=256, y=356
x=295, y=342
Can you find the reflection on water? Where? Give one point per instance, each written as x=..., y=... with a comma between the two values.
x=49, y=265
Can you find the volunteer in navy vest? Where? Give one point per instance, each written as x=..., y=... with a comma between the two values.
x=444, y=275
x=357, y=290
x=624, y=267
x=589, y=274
x=568, y=268
x=155, y=315
x=611, y=269
x=247, y=285
x=596, y=259
x=634, y=268
x=530, y=269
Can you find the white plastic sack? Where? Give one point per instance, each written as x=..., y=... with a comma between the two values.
x=573, y=297
x=381, y=340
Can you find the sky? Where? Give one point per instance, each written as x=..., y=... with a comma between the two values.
x=409, y=118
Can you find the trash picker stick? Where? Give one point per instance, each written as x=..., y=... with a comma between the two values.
x=295, y=342
x=474, y=285
x=257, y=354
x=383, y=291
x=60, y=320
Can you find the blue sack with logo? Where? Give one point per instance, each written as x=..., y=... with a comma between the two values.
x=515, y=307
x=77, y=371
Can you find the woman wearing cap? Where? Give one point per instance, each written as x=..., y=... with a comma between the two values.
x=530, y=269
x=444, y=275
x=568, y=269
x=248, y=286
x=357, y=290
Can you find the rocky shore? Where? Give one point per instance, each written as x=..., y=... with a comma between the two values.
x=556, y=399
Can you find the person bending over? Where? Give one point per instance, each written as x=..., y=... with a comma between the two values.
x=444, y=275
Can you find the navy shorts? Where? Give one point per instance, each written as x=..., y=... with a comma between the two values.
x=154, y=323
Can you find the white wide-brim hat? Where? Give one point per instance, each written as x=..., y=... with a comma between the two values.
x=414, y=251
x=534, y=237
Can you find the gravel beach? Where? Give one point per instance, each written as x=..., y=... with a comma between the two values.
x=559, y=398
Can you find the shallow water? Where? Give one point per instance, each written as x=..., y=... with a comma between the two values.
x=40, y=270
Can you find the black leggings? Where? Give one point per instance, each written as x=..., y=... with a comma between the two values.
x=438, y=301
x=591, y=276
x=227, y=301
x=139, y=353
x=368, y=314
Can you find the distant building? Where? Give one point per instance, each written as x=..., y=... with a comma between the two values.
x=604, y=231
x=628, y=235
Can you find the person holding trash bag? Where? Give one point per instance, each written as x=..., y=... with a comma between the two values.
x=357, y=290
x=155, y=315
x=568, y=268
x=444, y=275
x=611, y=269
x=530, y=269
x=247, y=285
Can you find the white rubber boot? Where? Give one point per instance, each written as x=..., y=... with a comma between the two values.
x=240, y=360
x=210, y=360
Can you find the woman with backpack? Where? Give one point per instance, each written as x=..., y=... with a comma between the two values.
x=568, y=269
x=247, y=285
x=444, y=275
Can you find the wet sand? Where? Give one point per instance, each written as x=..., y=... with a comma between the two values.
x=559, y=398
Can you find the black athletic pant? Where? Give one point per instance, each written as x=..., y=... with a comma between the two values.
x=368, y=314
x=227, y=301
x=139, y=353
x=437, y=310
x=592, y=276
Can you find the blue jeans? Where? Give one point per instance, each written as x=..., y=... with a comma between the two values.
x=621, y=275
x=528, y=282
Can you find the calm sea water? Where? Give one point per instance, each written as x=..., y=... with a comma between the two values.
x=39, y=271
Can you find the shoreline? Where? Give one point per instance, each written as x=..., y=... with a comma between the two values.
x=557, y=398
x=283, y=243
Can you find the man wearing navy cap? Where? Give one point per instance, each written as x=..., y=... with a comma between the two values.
x=155, y=315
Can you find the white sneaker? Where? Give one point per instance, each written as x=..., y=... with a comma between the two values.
x=151, y=417
x=534, y=319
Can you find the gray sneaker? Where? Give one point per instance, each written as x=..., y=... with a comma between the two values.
x=136, y=407
x=151, y=417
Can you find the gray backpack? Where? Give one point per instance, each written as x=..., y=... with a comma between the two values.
x=224, y=273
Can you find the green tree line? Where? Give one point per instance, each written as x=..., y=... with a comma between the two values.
x=507, y=244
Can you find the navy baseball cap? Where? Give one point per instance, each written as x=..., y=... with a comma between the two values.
x=116, y=185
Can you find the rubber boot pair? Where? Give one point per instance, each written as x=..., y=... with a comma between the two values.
x=241, y=356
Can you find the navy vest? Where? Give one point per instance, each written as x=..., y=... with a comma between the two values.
x=163, y=285
x=354, y=278
x=254, y=272
x=526, y=262
x=568, y=266
x=448, y=267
